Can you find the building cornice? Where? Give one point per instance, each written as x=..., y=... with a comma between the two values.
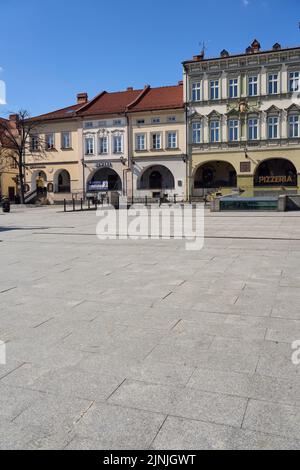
x=260, y=54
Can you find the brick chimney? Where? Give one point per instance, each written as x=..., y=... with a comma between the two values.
x=14, y=117
x=82, y=98
x=130, y=88
x=199, y=57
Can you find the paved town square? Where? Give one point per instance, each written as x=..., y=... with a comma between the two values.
x=124, y=344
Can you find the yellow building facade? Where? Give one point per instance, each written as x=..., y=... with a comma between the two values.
x=8, y=172
x=8, y=178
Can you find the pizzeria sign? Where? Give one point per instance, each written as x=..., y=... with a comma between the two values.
x=264, y=180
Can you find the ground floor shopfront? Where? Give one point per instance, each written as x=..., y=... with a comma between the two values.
x=160, y=177
x=253, y=172
x=58, y=181
x=101, y=177
x=151, y=178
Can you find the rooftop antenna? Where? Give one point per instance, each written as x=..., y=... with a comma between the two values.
x=203, y=45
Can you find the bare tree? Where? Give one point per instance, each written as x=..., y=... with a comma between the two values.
x=16, y=141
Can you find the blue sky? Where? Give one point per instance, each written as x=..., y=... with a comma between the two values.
x=51, y=50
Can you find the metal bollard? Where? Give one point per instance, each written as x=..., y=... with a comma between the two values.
x=65, y=205
x=74, y=208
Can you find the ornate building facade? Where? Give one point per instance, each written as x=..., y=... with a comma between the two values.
x=243, y=121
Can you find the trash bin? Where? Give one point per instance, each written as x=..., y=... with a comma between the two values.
x=6, y=205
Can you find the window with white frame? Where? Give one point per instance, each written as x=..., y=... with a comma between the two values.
x=140, y=121
x=197, y=132
x=273, y=127
x=155, y=120
x=156, y=141
x=172, y=140
x=273, y=83
x=171, y=119
x=117, y=122
x=66, y=140
x=215, y=131
x=140, y=142
x=196, y=91
x=89, y=146
x=233, y=87
x=253, y=129
x=103, y=145
x=294, y=81
x=88, y=125
x=34, y=143
x=233, y=130
x=214, y=90
x=253, y=85
x=118, y=143
x=293, y=126
x=50, y=141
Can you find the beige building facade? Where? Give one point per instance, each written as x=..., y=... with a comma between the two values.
x=53, y=162
x=158, y=143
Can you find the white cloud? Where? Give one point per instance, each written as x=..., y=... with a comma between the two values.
x=246, y=3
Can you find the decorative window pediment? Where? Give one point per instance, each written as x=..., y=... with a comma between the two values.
x=214, y=115
x=273, y=109
x=89, y=135
x=196, y=116
x=103, y=132
x=293, y=108
x=117, y=133
x=232, y=113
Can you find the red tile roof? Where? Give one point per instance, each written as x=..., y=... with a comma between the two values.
x=110, y=103
x=169, y=97
x=63, y=113
x=147, y=99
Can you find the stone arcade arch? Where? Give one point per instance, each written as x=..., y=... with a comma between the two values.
x=215, y=174
x=157, y=178
x=105, y=179
x=62, y=182
x=38, y=179
x=276, y=172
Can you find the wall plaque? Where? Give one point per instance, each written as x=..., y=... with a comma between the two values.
x=245, y=167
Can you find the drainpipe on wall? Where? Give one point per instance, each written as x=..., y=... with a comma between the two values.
x=187, y=133
x=130, y=165
x=83, y=179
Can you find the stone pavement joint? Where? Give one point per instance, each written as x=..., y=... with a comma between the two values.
x=140, y=344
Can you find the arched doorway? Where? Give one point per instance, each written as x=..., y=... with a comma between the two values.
x=39, y=181
x=216, y=174
x=105, y=179
x=63, y=182
x=158, y=178
x=276, y=172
